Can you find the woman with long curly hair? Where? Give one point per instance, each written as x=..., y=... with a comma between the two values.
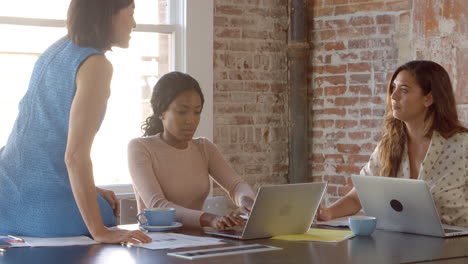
x=422, y=139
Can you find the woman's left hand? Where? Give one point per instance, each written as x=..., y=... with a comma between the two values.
x=245, y=206
x=111, y=199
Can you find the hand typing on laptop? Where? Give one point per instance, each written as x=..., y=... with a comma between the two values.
x=219, y=222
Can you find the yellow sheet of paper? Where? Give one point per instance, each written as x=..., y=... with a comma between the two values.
x=315, y=234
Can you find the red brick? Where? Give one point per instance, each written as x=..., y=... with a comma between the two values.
x=345, y=124
x=385, y=19
x=368, y=147
x=227, y=32
x=359, y=67
x=322, y=11
x=318, y=158
x=335, y=136
x=426, y=19
x=346, y=101
x=400, y=5
x=242, y=75
x=254, y=34
x=316, y=169
x=332, y=190
x=361, y=32
x=371, y=100
x=378, y=112
x=331, y=80
x=361, y=20
x=348, y=148
x=348, y=169
x=360, y=89
x=334, y=24
x=335, y=90
x=334, y=46
x=348, y=56
x=257, y=87
x=330, y=69
x=327, y=34
x=350, y=9
x=322, y=123
x=334, y=158
x=228, y=109
x=365, y=112
x=317, y=134
x=220, y=21
x=334, y=111
x=342, y=191
x=242, y=46
x=386, y=30
x=353, y=159
x=334, y=179
x=461, y=90
x=456, y=10
x=359, y=135
x=228, y=10
x=360, y=78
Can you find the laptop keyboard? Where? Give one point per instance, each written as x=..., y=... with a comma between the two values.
x=230, y=232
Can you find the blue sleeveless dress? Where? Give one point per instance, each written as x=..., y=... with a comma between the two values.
x=35, y=193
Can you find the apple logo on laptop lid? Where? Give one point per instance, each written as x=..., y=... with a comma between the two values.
x=396, y=205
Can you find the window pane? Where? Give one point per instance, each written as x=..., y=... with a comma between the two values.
x=136, y=71
x=52, y=9
x=151, y=12
x=18, y=53
x=146, y=11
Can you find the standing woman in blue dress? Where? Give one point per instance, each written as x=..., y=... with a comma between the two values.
x=46, y=175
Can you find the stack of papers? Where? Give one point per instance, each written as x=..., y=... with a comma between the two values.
x=315, y=234
x=174, y=240
x=25, y=241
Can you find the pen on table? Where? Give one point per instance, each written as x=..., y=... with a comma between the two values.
x=16, y=238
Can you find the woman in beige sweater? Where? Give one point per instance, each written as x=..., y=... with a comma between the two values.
x=170, y=168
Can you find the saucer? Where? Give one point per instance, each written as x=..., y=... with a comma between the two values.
x=173, y=226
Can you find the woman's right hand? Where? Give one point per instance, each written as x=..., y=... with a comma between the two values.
x=324, y=213
x=115, y=235
x=222, y=222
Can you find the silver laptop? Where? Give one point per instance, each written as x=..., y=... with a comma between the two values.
x=280, y=210
x=402, y=205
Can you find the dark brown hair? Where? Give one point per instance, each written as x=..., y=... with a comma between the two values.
x=89, y=22
x=168, y=87
x=441, y=115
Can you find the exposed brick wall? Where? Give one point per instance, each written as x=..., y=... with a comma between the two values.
x=357, y=44
x=250, y=88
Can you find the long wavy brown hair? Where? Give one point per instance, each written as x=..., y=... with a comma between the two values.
x=441, y=115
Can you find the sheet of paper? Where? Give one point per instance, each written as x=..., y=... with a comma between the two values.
x=14, y=242
x=315, y=234
x=58, y=241
x=173, y=240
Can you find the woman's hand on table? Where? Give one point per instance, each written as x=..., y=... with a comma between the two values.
x=115, y=235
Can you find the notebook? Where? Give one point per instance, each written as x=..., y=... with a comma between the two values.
x=402, y=205
x=285, y=209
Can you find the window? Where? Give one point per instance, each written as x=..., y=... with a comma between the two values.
x=160, y=43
